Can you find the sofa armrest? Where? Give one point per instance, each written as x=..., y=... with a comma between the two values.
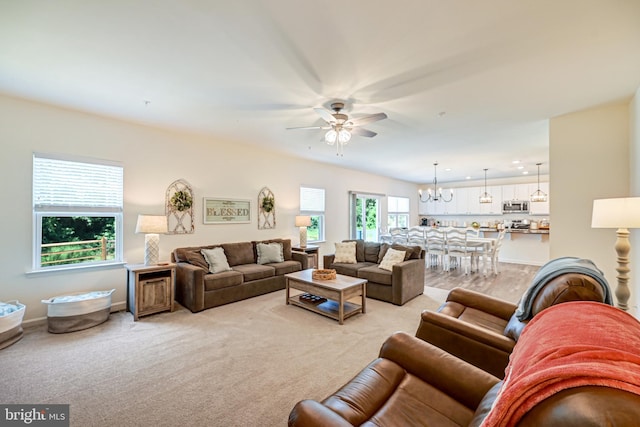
x=486, y=303
x=407, y=280
x=455, y=377
x=479, y=346
x=311, y=413
x=327, y=260
x=302, y=258
x=190, y=286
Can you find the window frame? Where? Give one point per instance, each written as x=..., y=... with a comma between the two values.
x=43, y=211
x=398, y=213
x=319, y=214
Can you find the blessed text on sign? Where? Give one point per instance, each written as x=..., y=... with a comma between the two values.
x=225, y=211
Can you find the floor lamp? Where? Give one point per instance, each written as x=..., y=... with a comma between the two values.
x=622, y=214
x=152, y=226
x=303, y=222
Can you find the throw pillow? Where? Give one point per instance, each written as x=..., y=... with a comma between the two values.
x=196, y=258
x=391, y=258
x=345, y=253
x=216, y=259
x=269, y=252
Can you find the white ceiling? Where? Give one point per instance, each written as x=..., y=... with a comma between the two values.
x=470, y=84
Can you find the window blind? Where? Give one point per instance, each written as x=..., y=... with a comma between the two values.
x=60, y=184
x=398, y=204
x=311, y=199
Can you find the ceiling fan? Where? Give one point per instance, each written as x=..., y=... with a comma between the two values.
x=340, y=127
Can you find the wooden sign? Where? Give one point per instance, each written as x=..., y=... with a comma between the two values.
x=226, y=211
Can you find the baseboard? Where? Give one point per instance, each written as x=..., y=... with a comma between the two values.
x=521, y=261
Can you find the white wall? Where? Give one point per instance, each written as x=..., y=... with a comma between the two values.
x=153, y=159
x=589, y=159
x=634, y=159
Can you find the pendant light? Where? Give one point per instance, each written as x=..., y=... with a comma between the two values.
x=539, y=195
x=485, y=197
x=436, y=195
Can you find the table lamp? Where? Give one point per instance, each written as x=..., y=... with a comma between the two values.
x=152, y=226
x=303, y=222
x=622, y=214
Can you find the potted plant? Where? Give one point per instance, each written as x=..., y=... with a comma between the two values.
x=268, y=203
x=181, y=200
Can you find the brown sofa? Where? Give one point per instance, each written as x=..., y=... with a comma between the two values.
x=414, y=383
x=483, y=330
x=198, y=289
x=403, y=283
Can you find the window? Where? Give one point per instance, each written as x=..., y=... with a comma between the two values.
x=312, y=204
x=365, y=216
x=77, y=212
x=398, y=212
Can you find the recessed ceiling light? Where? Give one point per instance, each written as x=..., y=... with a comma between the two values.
x=515, y=162
x=447, y=170
x=525, y=173
x=467, y=177
x=520, y=167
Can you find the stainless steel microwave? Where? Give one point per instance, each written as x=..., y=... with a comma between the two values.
x=515, y=206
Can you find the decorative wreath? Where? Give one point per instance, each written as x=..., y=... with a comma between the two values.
x=267, y=204
x=181, y=200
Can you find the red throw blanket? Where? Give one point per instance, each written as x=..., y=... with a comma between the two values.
x=568, y=345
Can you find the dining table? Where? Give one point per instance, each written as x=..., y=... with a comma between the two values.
x=481, y=246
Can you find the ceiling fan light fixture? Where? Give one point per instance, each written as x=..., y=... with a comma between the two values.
x=331, y=136
x=344, y=136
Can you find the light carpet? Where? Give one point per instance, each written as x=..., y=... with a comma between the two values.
x=242, y=364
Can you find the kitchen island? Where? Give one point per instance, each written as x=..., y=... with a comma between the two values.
x=522, y=246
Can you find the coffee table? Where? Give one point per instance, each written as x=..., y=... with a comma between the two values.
x=336, y=291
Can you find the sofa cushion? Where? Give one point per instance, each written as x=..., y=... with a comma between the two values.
x=239, y=253
x=375, y=274
x=391, y=258
x=255, y=271
x=346, y=253
x=485, y=405
x=286, y=247
x=269, y=252
x=216, y=259
x=215, y=281
x=196, y=258
x=412, y=252
x=286, y=267
x=350, y=269
x=359, y=249
x=371, y=251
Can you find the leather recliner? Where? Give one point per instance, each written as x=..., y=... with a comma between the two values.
x=414, y=383
x=483, y=330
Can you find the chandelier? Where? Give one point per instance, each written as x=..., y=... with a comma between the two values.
x=539, y=195
x=485, y=197
x=340, y=135
x=436, y=195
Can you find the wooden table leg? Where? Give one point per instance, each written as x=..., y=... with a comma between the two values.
x=287, y=288
x=364, y=298
x=341, y=308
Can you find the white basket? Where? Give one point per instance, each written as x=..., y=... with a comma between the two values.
x=77, y=304
x=13, y=319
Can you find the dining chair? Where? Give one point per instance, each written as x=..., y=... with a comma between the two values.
x=416, y=236
x=495, y=251
x=398, y=235
x=436, y=247
x=458, y=249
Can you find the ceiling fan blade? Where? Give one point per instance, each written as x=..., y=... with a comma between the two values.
x=310, y=127
x=359, y=121
x=363, y=132
x=325, y=114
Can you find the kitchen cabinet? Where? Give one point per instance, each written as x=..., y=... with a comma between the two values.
x=516, y=192
x=461, y=199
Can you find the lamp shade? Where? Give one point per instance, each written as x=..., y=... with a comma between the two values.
x=616, y=213
x=156, y=224
x=303, y=221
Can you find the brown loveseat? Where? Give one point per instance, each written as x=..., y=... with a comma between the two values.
x=403, y=283
x=198, y=289
x=414, y=383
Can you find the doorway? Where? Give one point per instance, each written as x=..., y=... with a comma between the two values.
x=365, y=216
